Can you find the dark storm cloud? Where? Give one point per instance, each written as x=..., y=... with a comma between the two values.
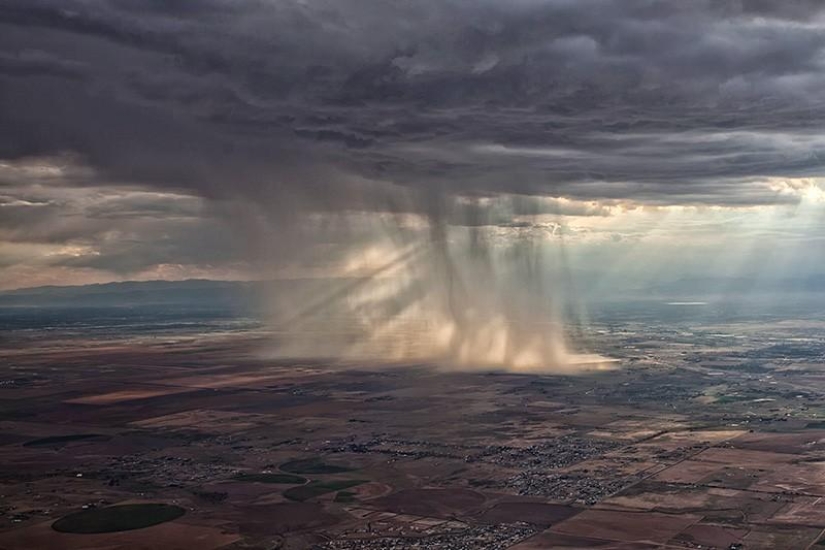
x=292, y=102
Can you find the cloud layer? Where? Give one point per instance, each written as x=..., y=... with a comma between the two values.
x=642, y=100
x=160, y=118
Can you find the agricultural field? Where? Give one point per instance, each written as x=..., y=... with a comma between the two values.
x=137, y=443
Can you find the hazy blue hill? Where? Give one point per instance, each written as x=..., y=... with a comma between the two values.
x=132, y=307
x=190, y=293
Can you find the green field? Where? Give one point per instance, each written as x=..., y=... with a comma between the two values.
x=312, y=466
x=60, y=440
x=318, y=488
x=285, y=479
x=117, y=518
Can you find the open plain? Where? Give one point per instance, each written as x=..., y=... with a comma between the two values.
x=714, y=444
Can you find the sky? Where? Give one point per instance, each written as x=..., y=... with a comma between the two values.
x=630, y=142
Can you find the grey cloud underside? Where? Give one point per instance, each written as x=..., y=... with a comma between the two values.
x=661, y=102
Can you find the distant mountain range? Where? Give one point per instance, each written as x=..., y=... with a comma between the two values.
x=201, y=293
x=189, y=293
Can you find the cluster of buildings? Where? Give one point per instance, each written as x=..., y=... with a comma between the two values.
x=567, y=487
x=404, y=448
x=489, y=537
x=555, y=453
x=170, y=471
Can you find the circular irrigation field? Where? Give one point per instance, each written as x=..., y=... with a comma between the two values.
x=117, y=518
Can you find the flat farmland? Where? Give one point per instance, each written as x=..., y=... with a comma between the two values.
x=321, y=455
